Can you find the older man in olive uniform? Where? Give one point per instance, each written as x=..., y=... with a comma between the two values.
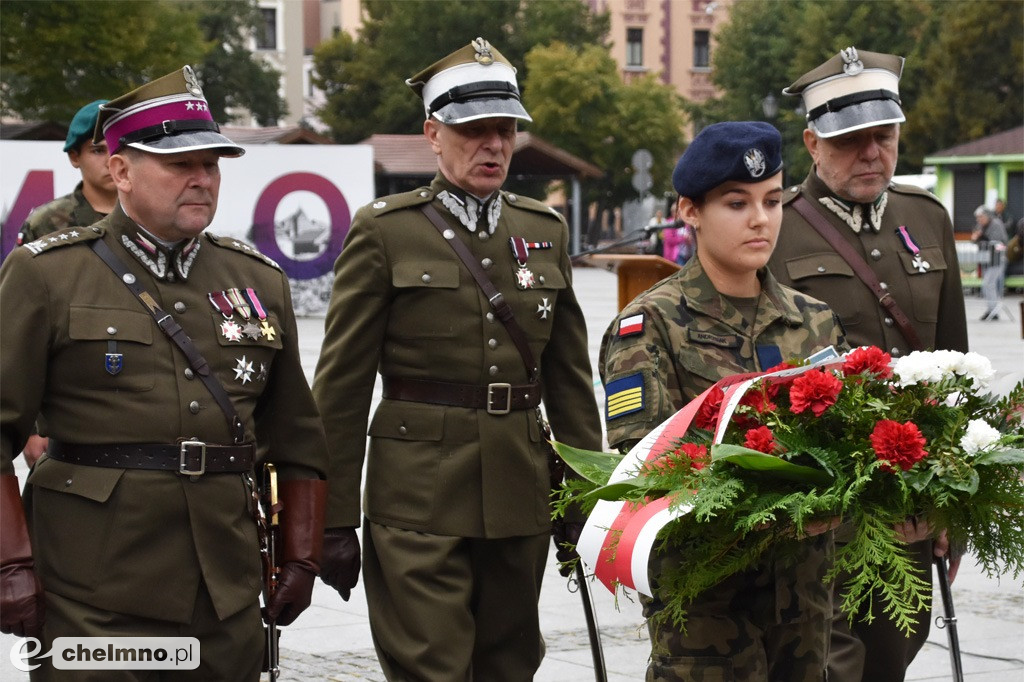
x=142, y=511
x=903, y=235
x=457, y=484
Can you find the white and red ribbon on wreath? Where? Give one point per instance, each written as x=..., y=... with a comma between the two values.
x=618, y=537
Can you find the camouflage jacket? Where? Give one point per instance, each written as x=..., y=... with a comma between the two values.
x=681, y=336
x=70, y=210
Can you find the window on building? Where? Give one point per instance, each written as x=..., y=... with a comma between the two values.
x=266, y=36
x=702, y=49
x=634, y=47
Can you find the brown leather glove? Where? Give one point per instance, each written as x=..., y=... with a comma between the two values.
x=566, y=533
x=303, y=504
x=21, y=595
x=341, y=560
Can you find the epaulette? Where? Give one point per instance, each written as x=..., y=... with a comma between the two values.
x=529, y=204
x=790, y=193
x=915, y=190
x=241, y=247
x=394, y=202
x=65, y=237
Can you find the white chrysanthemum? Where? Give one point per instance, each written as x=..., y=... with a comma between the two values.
x=917, y=367
x=978, y=368
x=978, y=437
x=947, y=362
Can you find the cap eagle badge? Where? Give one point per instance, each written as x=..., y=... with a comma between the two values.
x=852, y=65
x=483, y=52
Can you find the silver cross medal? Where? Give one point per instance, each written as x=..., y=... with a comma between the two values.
x=921, y=264
x=543, y=308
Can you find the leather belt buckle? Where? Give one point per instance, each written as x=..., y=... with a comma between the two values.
x=185, y=460
x=494, y=395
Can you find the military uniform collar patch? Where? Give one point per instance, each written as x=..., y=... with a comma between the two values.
x=858, y=217
x=166, y=263
x=470, y=210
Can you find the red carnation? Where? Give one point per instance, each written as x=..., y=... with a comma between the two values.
x=698, y=454
x=761, y=439
x=868, y=360
x=815, y=390
x=899, y=444
x=760, y=397
x=707, y=415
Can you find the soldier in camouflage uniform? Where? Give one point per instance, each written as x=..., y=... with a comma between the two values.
x=93, y=198
x=722, y=314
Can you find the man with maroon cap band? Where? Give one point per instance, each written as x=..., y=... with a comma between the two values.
x=164, y=366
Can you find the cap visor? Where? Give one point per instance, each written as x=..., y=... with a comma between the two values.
x=463, y=112
x=190, y=142
x=876, y=112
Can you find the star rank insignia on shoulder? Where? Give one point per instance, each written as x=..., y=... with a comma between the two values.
x=71, y=235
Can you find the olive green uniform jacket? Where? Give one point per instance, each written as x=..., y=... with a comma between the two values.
x=688, y=338
x=932, y=299
x=404, y=304
x=70, y=210
x=132, y=541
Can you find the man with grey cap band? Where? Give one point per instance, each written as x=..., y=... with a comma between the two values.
x=861, y=243
x=164, y=366
x=456, y=509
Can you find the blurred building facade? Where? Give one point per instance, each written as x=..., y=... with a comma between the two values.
x=671, y=39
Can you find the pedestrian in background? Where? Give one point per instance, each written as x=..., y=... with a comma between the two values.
x=164, y=365
x=457, y=502
x=724, y=313
x=883, y=256
x=990, y=234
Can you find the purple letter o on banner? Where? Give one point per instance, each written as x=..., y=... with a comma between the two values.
x=263, y=223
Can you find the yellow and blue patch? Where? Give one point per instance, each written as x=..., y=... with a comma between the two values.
x=624, y=396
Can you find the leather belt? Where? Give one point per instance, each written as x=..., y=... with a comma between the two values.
x=495, y=398
x=190, y=457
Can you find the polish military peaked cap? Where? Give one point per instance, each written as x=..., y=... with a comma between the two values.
x=164, y=116
x=473, y=82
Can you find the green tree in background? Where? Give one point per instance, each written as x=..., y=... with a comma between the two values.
x=364, y=79
x=232, y=77
x=57, y=56
x=579, y=102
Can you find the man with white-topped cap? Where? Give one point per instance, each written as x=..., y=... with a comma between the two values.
x=882, y=255
x=456, y=514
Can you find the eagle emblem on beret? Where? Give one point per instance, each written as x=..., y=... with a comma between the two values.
x=852, y=65
x=483, y=52
x=753, y=159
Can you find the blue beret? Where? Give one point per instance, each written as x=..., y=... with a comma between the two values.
x=746, y=151
x=82, y=125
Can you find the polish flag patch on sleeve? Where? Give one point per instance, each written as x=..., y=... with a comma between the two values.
x=634, y=324
x=624, y=396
